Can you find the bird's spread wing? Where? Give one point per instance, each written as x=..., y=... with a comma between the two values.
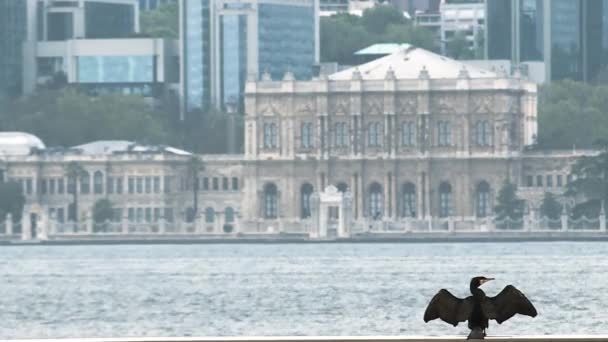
x=507, y=303
x=449, y=308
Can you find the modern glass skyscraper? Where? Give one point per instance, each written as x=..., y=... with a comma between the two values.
x=224, y=42
x=13, y=31
x=569, y=36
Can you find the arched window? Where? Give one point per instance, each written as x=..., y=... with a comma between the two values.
x=209, y=215
x=340, y=134
x=482, y=199
x=229, y=215
x=98, y=182
x=408, y=200
x=483, y=133
x=408, y=134
x=270, y=201
x=270, y=135
x=375, y=201
x=306, y=133
x=85, y=183
x=374, y=135
x=305, y=193
x=445, y=199
x=444, y=133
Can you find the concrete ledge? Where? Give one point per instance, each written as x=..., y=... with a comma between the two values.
x=540, y=338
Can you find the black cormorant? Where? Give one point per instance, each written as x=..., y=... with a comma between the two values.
x=478, y=309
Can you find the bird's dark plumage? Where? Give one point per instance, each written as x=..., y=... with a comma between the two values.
x=478, y=309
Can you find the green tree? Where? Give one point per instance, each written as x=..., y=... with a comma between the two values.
x=509, y=207
x=342, y=35
x=162, y=22
x=102, y=213
x=590, y=189
x=551, y=209
x=572, y=114
x=74, y=171
x=378, y=18
x=66, y=117
x=12, y=200
x=459, y=47
x=193, y=168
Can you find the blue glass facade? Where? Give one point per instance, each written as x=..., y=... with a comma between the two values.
x=573, y=40
x=196, y=54
x=108, y=20
x=12, y=34
x=286, y=37
x=234, y=57
x=116, y=69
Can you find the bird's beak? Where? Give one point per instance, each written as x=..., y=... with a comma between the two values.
x=483, y=281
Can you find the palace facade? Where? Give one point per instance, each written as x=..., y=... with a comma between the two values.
x=413, y=135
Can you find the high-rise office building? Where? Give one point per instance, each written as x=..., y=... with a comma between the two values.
x=570, y=37
x=145, y=5
x=13, y=31
x=224, y=41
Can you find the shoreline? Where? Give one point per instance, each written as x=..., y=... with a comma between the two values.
x=302, y=239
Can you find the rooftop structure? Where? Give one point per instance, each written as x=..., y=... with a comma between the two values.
x=19, y=143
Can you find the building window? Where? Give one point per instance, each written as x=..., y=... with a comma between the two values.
x=52, y=183
x=375, y=201
x=306, y=135
x=539, y=181
x=374, y=135
x=131, y=185
x=305, y=194
x=529, y=181
x=216, y=184
x=560, y=181
x=209, y=215
x=156, y=214
x=340, y=134
x=110, y=185
x=408, y=200
x=43, y=186
x=148, y=184
x=139, y=215
x=483, y=133
x=444, y=133
x=549, y=181
x=235, y=184
x=482, y=199
x=60, y=186
x=119, y=185
x=85, y=183
x=408, y=134
x=445, y=199
x=229, y=215
x=167, y=184
x=98, y=182
x=270, y=136
x=270, y=201
x=139, y=182
x=156, y=185
x=168, y=215
x=206, y=183
x=225, y=183
x=148, y=215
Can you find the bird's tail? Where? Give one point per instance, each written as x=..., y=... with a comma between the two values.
x=476, y=334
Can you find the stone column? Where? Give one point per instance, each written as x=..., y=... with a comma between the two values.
x=26, y=228
x=564, y=219
x=387, y=196
x=89, y=224
x=161, y=226
x=322, y=221
x=8, y=228
x=124, y=225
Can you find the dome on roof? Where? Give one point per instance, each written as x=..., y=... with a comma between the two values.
x=19, y=143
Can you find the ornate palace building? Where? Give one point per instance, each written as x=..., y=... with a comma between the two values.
x=412, y=136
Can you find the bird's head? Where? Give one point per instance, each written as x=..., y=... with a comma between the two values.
x=478, y=281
